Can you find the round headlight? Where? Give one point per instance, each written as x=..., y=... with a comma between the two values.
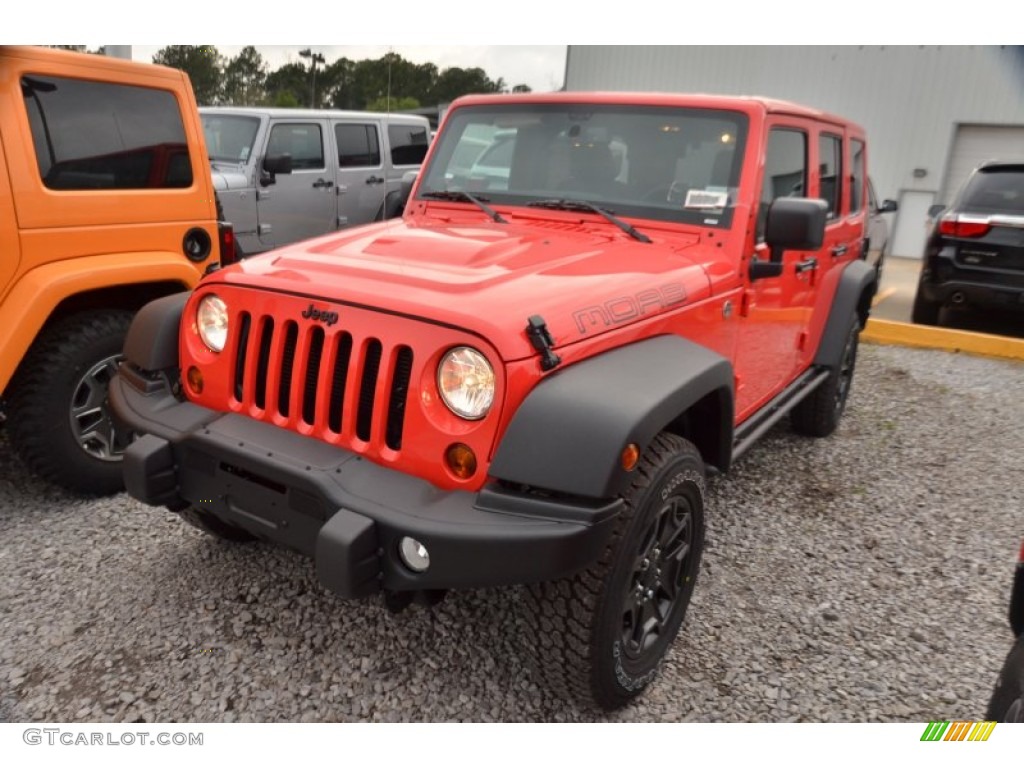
x=212, y=321
x=466, y=382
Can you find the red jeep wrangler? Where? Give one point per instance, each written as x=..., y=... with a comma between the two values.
x=523, y=379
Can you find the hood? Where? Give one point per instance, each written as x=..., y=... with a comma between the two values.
x=583, y=278
x=227, y=176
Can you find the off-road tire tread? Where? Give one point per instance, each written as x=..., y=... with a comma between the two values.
x=815, y=415
x=557, y=613
x=30, y=412
x=1010, y=685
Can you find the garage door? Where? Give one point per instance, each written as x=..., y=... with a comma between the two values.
x=973, y=145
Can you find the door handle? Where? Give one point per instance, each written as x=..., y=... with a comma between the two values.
x=374, y=180
x=807, y=265
x=839, y=250
x=321, y=183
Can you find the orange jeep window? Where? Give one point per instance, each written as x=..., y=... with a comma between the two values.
x=785, y=171
x=830, y=167
x=857, y=176
x=91, y=135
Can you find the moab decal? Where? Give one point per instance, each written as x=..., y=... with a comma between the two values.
x=625, y=308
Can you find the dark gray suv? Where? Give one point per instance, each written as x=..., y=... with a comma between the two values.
x=974, y=256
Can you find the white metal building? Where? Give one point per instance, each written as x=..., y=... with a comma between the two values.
x=932, y=113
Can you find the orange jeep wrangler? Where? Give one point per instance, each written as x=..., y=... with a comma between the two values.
x=523, y=379
x=106, y=203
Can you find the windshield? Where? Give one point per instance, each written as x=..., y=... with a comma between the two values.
x=670, y=164
x=229, y=138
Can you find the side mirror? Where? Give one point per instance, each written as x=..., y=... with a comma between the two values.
x=273, y=165
x=889, y=206
x=394, y=203
x=795, y=224
x=935, y=210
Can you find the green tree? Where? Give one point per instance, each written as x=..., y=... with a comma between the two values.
x=456, y=81
x=202, y=64
x=383, y=104
x=288, y=86
x=244, y=79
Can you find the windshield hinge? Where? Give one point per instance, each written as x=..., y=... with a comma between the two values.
x=541, y=339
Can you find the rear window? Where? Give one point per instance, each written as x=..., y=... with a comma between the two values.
x=91, y=135
x=995, y=190
x=408, y=144
x=358, y=145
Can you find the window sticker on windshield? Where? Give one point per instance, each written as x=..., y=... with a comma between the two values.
x=244, y=154
x=706, y=198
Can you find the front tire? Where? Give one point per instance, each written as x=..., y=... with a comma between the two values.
x=60, y=422
x=818, y=414
x=600, y=636
x=1007, y=702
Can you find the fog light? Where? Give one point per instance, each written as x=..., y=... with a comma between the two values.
x=195, y=380
x=414, y=554
x=461, y=460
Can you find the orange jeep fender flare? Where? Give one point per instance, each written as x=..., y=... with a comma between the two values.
x=37, y=293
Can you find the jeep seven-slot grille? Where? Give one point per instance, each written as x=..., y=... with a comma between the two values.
x=288, y=379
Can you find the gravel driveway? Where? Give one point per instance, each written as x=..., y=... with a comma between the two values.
x=861, y=577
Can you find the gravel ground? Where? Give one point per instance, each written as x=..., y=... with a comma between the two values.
x=864, y=577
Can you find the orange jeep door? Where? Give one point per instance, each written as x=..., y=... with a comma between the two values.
x=8, y=227
x=775, y=310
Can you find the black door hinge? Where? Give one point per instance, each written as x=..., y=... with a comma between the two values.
x=541, y=339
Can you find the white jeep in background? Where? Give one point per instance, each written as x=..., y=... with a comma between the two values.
x=283, y=175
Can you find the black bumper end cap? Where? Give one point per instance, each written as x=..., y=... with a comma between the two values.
x=347, y=555
x=150, y=474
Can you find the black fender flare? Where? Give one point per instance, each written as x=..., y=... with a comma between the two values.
x=857, y=286
x=152, y=341
x=569, y=433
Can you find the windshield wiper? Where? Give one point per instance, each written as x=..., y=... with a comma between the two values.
x=459, y=195
x=583, y=205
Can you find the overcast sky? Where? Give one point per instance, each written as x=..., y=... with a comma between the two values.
x=542, y=67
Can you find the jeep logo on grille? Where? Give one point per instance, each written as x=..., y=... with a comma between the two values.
x=312, y=313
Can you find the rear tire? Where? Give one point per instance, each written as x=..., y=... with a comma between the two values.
x=60, y=422
x=600, y=636
x=818, y=414
x=925, y=312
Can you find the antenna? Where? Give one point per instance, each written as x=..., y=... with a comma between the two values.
x=384, y=129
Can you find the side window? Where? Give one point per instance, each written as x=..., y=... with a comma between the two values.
x=303, y=141
x=785, y=170
x=830, y=170
x=358, y=145
x=408, y=144
x=857, y=176
x=91, y=135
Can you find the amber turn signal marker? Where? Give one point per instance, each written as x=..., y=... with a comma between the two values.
x=195, y=380
x=630, y=456
x=461, y=460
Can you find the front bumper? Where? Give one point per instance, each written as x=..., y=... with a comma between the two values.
x=348, y=513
